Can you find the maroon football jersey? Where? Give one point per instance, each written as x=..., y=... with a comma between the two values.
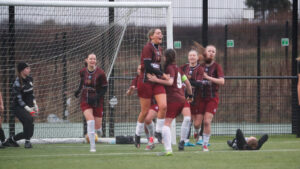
x=150, y=53
x=92, y=82
x=135, y=81
x=211, y=90
x=195, y=73
x=175, y=93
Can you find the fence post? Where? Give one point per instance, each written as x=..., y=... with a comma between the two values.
x=286, y=36
x=11, y=63
x=258, y=74
x=111, y=80
x=205, y=23
x=225, y=48
x=65, y=78
x=295, y=106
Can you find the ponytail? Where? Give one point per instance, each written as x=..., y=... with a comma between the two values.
x=170, y=55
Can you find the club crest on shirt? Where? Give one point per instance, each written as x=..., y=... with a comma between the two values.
x=155, y=65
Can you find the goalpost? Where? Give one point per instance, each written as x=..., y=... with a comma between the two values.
x=54, y=37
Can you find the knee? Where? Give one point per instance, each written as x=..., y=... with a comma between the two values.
x=207, y=123
x=148, y=120
x=163, y=107
x=197, y=124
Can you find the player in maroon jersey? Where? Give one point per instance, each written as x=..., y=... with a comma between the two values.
x=208, y=96
x=298, y=67
x=93, y=84
x=2, y=135
x=150, y=63
x=134, y=82
x=152, y=113
x=194, y=71
x=176, y=100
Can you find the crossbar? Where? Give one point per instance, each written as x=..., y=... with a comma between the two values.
x=90, y=4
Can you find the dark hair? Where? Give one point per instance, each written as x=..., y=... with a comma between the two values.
x=170, y=55
x=20, y=67
x=87, y=56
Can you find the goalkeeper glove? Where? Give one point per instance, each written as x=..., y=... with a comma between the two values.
x=30, y=110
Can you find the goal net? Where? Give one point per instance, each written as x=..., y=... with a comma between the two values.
x=54, y=37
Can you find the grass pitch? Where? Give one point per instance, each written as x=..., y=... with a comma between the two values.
x=278, y=152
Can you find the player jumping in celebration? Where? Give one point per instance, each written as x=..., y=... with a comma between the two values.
x=150, y=63
x=24, y=105
x=94, y=85
x=2, y=135
x=176, y=100
x=152, y=113
x=208, y=96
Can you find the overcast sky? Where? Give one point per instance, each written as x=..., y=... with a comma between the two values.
x=184, y=12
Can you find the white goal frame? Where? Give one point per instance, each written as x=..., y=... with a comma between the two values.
x=92, y=4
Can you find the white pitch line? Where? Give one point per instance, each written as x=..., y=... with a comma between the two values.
x=147, y=153
x=111, y=145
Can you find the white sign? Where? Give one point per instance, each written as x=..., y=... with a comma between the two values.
x=113, y=101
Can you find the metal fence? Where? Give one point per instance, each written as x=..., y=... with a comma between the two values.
x=258, y=57
x=258, y=60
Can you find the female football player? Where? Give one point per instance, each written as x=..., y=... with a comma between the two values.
x=208, y=97
x=150, y=64
x=176, y=100
x=246, y=143
x=298, y=66
x=24, y=105
x=194, y=71
x=93, y=83
x=2, y=135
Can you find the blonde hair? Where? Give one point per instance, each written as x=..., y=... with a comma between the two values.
x=252, y=143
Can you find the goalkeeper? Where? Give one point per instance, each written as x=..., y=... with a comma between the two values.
x=246, y=143
x=24, y=105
